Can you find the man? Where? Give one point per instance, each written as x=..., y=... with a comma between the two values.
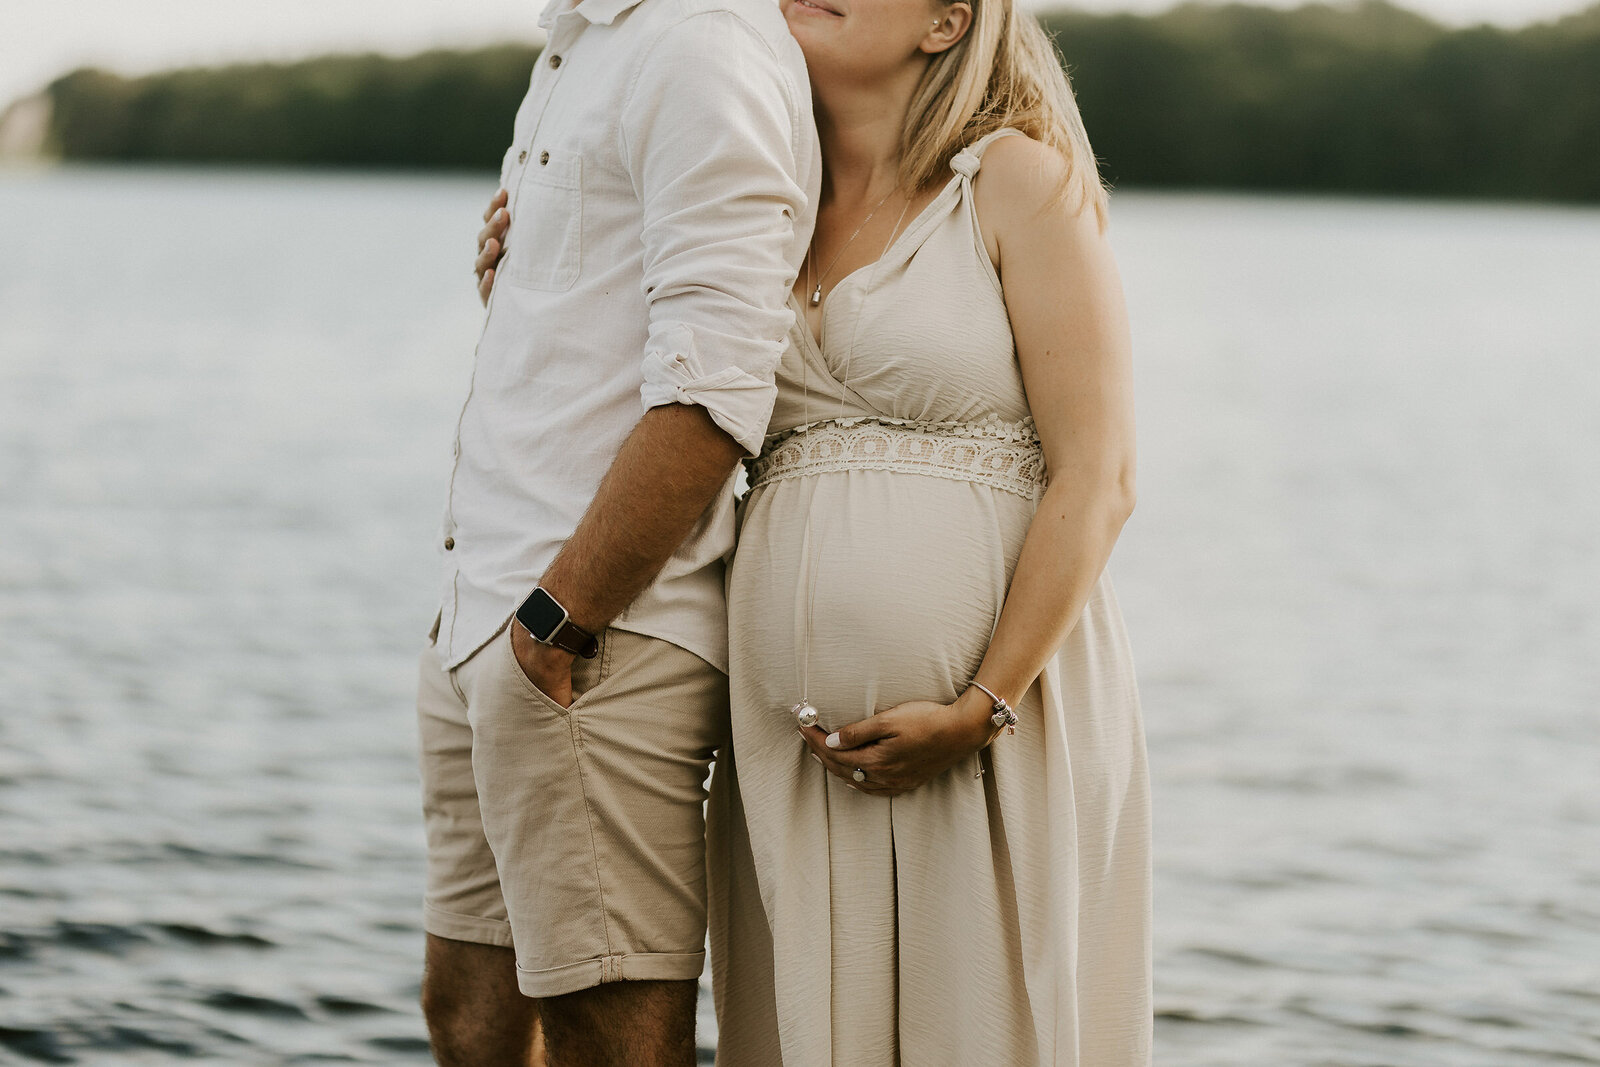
x=573, y=691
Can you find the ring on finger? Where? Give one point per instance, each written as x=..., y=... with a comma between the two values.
x=859, y=775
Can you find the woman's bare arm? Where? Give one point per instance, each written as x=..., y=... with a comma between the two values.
x=1064, y=295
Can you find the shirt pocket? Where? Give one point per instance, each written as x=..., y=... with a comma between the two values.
x=544, y=244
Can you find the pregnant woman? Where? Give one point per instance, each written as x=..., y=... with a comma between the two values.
x=899, y=877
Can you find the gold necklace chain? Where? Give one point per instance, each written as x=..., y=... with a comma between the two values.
x=816, y=294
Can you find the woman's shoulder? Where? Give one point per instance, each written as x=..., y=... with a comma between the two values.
x=1019, y=191
x=1022, y=170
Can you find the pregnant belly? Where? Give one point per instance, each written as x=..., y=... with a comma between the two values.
x=897, y=578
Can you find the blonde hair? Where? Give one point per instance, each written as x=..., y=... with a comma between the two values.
x=1003, y=72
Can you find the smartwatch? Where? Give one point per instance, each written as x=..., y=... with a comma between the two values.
x=543, y=616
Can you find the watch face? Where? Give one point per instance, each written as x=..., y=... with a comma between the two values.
x=541, y=614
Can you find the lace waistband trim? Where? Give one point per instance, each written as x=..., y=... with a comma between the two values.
x=1002, y=455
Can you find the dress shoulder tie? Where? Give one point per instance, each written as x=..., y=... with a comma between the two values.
x=967, y=161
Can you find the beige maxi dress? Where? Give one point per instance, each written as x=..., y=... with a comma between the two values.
x=996, y=919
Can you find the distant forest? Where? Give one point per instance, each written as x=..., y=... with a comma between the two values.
x=1363, y=98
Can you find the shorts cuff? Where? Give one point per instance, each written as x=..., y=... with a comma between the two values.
x=586, y=974
x=469, y=928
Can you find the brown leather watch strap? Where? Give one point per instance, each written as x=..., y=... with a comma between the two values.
x=575, y=639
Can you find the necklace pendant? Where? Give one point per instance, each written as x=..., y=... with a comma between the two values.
x=816, y=295
x=805, y=714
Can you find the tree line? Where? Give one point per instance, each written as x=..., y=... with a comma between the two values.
x=1353, y=98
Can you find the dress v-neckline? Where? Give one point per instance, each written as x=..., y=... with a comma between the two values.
x=799, y=308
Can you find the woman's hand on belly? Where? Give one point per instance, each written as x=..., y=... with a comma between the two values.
x=905, y=746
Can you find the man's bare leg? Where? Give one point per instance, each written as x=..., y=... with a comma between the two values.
x=477, y=1017
x=622, y=1024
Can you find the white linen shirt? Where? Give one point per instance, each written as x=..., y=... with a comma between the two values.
x=661, y=178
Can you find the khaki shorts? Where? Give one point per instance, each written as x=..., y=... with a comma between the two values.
x=574, y=835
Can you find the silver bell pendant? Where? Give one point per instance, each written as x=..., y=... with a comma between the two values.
x=805, y=714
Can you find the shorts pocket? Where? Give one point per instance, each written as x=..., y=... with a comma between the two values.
x=588, y=675
x=544, y=244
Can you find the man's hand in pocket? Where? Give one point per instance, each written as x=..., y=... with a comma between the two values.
x=547, y=667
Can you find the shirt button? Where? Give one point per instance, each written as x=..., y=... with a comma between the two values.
x=544, y=158
x=522, y=156
x=449, y=543
x=555, y=61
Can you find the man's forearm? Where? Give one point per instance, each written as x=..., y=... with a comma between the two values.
x=667, y=473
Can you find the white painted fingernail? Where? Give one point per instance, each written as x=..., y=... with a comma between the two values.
x=832, y=740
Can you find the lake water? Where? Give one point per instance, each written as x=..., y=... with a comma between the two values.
x=1363, y=584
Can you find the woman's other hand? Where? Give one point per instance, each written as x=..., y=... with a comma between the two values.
x=905, y=746
x=491, y=243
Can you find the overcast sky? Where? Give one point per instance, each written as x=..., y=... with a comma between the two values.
x=42, y=38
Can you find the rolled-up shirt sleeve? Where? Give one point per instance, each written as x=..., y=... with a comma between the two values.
x=710, y=131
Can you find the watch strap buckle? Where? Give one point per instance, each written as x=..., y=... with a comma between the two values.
x=575, y=639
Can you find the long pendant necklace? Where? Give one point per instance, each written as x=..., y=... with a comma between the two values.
x=816, y=294
x=805, y=712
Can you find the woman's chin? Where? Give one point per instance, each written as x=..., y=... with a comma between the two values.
x=814, y=38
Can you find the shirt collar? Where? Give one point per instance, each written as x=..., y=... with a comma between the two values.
x=603, y=12
x=598, y=12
